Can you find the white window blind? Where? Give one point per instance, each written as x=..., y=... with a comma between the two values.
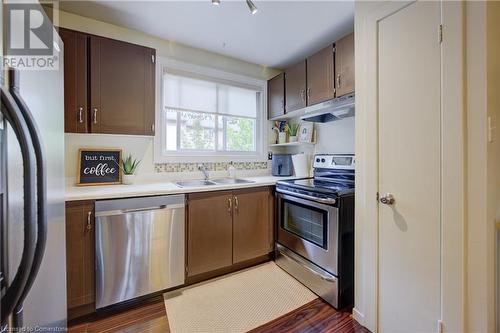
x=201, y=115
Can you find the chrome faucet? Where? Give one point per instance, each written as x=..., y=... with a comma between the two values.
x=204, y=169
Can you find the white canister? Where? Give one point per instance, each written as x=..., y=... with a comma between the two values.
x=282, y=137
x=301, y=165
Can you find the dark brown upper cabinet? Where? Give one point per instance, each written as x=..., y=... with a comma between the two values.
x=109, y=85
x=327, y=74
x=295, y=83
x=121, y=87
x=276, y=96
x=75, y=81
x=321, y=76
x=344, y=65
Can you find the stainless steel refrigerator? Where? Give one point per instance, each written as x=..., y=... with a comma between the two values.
x=32, y=243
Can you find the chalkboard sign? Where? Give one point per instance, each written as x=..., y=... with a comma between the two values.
x=99, y=166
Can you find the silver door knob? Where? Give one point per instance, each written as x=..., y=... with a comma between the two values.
x=387, y=199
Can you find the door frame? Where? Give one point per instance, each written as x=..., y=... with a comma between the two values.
x=453, y=149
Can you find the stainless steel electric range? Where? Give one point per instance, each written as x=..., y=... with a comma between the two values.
x=316, y=229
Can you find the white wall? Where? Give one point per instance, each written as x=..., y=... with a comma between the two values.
x=336, y=136
x=333, y=137
x=483, y=59
x=165, y=48
x=142, y=147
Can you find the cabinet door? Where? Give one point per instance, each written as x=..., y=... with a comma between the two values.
x=210, y=229
x=344, y=65
x=75, y=81
x=121, y=87
x=80, y=253
x=295, y=83
x=252, y=228
x=276, y=96
x=320, y=76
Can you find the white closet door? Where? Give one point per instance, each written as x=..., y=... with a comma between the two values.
x=409, y=63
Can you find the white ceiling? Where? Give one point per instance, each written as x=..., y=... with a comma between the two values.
x=279, y=34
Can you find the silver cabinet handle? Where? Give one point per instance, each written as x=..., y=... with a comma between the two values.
x=387, y=199
x=338, y=80
x=153, y=128
x=136, y=210
x=230, y=205
x=308, y=93
x=80, y=114
x=89, y=220
x=282, y=105
x=236, y=203
x=95, y=115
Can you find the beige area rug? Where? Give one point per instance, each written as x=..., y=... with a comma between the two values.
x=236, y=303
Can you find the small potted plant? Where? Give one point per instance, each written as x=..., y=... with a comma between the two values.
x=293, y=130
x=129, y=167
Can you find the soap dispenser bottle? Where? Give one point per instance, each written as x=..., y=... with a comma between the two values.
x=232, y=170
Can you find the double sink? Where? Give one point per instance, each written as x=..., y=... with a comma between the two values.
x=220, y=181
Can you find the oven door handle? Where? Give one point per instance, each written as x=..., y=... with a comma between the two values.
x=328, y=201
x=321, y=276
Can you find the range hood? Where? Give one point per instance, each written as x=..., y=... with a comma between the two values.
x=331, y=110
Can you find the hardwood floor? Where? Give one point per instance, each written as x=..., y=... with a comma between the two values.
x=314, y=317
x=151, y=318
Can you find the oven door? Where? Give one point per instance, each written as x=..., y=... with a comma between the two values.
x=309, y=228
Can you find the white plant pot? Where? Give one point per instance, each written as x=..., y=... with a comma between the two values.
x=282, y=137
x=128, y=179
x=293, y=138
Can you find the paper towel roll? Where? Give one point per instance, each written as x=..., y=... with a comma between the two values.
x=301, y=165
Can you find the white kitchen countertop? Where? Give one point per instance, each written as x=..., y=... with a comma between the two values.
x=75, y=193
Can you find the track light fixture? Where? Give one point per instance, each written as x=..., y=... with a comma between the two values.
x=250, y=4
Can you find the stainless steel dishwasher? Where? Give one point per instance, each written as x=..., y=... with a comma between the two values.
x=139, y=247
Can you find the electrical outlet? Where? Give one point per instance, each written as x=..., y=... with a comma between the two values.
x=270, y=155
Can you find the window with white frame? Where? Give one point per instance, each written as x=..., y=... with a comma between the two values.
x=205, y=116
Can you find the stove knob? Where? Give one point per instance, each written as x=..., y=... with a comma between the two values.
x=323, y=160
x=318, y=160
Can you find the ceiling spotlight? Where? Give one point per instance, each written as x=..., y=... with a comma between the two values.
x=215, y=2
x=252, y=7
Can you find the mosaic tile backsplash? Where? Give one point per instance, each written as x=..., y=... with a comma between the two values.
x=211, y=166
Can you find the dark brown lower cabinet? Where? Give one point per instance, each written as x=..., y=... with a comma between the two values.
x=80, y=258
x=227, y=228
x=252, y=232
x=209, y=232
